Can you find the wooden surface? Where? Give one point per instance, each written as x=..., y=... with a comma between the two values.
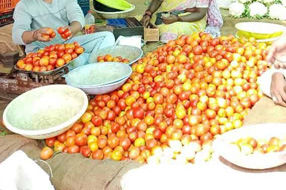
x=3, y=104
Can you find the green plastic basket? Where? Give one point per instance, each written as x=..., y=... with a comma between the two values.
x=116, y=4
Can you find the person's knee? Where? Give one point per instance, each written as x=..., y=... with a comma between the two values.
x=109, y=38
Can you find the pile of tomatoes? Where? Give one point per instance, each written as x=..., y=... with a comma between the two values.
x=50, y=58
x=177, y=100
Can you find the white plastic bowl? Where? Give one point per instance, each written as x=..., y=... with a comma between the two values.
x=99, y=78
x=129, y=52
x=98, y=74
x=222, y=145
x=103, y=89
x=259, y=30
x=45, y=111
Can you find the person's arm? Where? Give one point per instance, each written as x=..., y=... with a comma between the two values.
x=153, y=7
x=75, y=27
x=277, y=89
x=277, y=53
x=196, y=15
x=75, y=16
x=268, y=78
x=21, y=32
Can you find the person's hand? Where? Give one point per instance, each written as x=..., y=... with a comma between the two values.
x=145, y=20
x=277, y=53
x=65, y=32
x=42, y=34
x=277, y=90
x=170, y=19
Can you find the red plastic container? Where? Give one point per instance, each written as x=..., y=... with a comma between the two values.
x=7, y=5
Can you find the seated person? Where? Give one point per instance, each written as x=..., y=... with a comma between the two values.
x=273, y=82
x=178, y=17
x=33, y=17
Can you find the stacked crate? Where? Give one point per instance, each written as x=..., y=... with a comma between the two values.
x=6, y=11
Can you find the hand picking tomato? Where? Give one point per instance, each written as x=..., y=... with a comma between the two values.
x=65, y=33
x=61, y=30
x=49, y=35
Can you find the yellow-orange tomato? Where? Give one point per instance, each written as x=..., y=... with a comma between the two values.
x=86, y=117
x=46, y=153
x=116, y=155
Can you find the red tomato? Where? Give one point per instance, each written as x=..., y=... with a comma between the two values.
x=73, y=149
x=61, y=30
x=81, y=139
x=97, y=155
x=85, y=151
x=198, y=50
x=77, y=127
x=125, y=143
x=138, y=113
x=62, y=137
x=50, y=141
x=67, y=33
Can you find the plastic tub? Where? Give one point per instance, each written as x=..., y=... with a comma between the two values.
x=98, y=74
x=101, y=7
x=45, y=111
x=103, y=89
x=99, y=78
x=116, y=4
x=259, y=30
x=111, y=15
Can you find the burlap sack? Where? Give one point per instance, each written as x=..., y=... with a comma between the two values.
x=11, y=143
x=73, y=172
x=265, y=111
x=70, y=172
x=6, y=41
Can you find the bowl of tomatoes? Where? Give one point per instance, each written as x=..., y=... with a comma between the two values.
x=258, y=146
x=120, y=53
x=45, y=111
x=50, y=59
